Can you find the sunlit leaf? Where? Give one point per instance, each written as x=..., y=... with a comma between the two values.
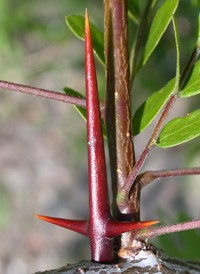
x=198, y=38
x=177, y=41
x=180, y=130
x=76, y=25
x=160, y=23
x=192, y=86
x=145, y=114
x=151, y=107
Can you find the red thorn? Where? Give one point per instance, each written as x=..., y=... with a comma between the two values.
x=100, y=228
x=74, y=225
x=115, y=228
x=97, y=178
x=101, y=246
x=87, y=24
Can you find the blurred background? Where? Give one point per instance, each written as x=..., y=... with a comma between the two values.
x=43, y=157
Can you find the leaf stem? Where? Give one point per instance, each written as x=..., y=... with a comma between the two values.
x=149, y=176
x=43, y=93
x=152, y=232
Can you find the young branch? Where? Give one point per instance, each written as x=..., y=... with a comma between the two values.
x=131, y=182
x=147, y=177
x=148, y=147
x=43, y=93
x=152, y=232
x=118, y=113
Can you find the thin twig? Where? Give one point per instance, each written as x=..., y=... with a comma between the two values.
x=149, y=176
x=43, y=93
x=131, y=182
x=152, y=232
x=149, y=145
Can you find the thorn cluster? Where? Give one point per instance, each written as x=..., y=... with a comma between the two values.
x=100, y=228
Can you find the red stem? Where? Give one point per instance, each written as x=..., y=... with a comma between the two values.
x=151, y=143
x=148, y=176
x=43, y=93
x=157, y=231
x=131, y=181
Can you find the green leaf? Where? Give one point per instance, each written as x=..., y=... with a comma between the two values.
x=160, y=23
x=180, y=130
x=76, y=25
x=192, y=86
x=72, y=92
x=198, y=36
x=150, y=108
x=81, y=110
x=145, y=114
x=177, y=41
x=133, y=11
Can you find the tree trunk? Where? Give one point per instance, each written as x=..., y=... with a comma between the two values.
x=146, y=260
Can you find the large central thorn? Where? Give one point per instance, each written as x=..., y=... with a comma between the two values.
x=100, y=228
x=101, y=246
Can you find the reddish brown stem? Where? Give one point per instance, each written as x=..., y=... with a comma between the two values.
x=149, y=176
x=43, y=93
x=131, y=182
x=152, y=232
x=118, y=113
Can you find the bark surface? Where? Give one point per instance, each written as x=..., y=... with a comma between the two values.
x=145, y=261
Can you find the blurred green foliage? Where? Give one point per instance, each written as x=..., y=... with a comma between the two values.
x=5, y=208
x=42, y=19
